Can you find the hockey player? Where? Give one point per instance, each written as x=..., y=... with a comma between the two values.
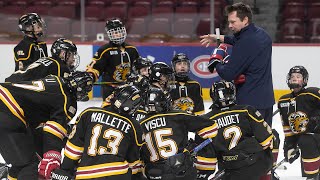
x=244, y=140
x=113, y=61
x=105, y=143
x=166, y=137
x=300, y=112
x=187, y=95
x=30, y=48
x=139, y=75
x=140, y=78
x=64, y=59
x=162, y=76
x=51, y=101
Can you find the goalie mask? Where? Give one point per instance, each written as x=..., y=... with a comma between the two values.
x=183, y=72
x=32, y=24
x=160, y=72
x=157, y=100
x=223, y=94
x=66, y=51
x=298, y=122
x=140, y=63
x=305, y=75
x=81, y=83
x=116, y=31
x=126, y=99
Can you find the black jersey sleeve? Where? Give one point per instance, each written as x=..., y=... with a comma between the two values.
x=99, y=61
x=198, y=101
x=75, y=144
x=261, y=130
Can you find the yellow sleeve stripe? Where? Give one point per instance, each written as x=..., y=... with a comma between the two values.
x=267, y=141
x=55, y=129
x=22, y=59
x=103, y=53
x=209, y=132
x=72, y=151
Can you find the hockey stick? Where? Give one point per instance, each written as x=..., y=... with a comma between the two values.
x=284, y=160
x=275, y=112
x=200, y=146
x=218, y=175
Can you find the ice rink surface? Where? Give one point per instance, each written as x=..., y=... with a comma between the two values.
x=292, y=172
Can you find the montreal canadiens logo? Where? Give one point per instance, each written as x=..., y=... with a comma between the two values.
x=199, y=67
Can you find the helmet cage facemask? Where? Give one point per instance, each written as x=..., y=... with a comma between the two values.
x=117, y=35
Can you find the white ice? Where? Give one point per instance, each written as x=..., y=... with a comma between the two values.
x=292, y=172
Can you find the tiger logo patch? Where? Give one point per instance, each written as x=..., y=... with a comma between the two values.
x=184, y=104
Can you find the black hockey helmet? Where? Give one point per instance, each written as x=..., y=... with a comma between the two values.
x=157, y=100
x=223, y=94
x=180, y=57
x=298, y=69
x=126, y=99
x=160, y=72
x=81, y=83
x=140, y=63
x=71, y=56
x=27, y=23
x=116, y=31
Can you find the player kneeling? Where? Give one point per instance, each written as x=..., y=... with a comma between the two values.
x=105, y=143
x=244, y=140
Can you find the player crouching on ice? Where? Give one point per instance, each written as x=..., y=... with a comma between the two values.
x=300, y=116
x=244, y=140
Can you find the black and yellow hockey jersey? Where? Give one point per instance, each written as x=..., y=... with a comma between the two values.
x=241, y=128
x=187, y=96
x=47, y=100
x=106, y=144
x=40, y=69
x=28, y=51
x=167, y=134
x=113, y=62
x=300, y=113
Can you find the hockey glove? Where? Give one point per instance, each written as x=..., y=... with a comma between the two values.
x=240, y=79
x=291, y=153
x=59, y=174
x=218, y=56
x=51, y=161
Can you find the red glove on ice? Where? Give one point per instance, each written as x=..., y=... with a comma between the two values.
x=51, y=161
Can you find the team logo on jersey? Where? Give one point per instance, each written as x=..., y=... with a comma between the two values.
x=298, y=122
x=113, y=52
x=121, y=72
x=20, y=53
x=199, y=67
x=184, y=104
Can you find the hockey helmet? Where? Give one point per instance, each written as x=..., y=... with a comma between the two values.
x=140, y=63
x=116, y=31
x=160, y=72
x=157, y=100
x=31, y=21
x=126, y=99
x=70, y=56
x=177, y=167
x=180, y=57
x=298, y=69
x=81, y=83
x=223, y=94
